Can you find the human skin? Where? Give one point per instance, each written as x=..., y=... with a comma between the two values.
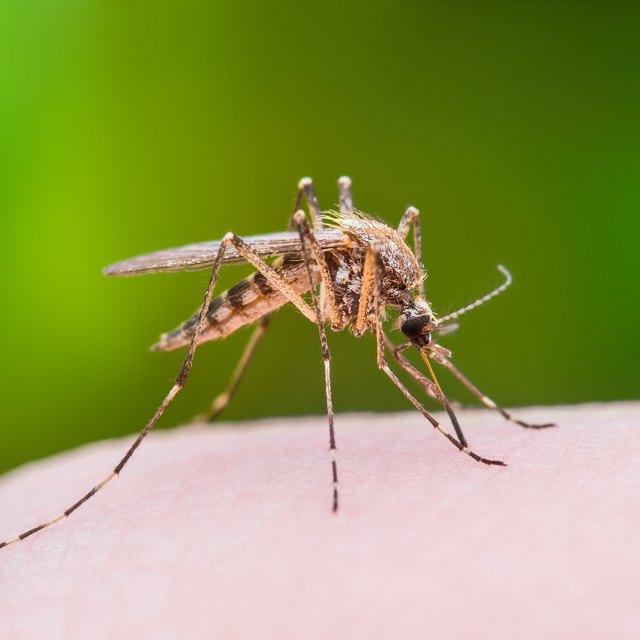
x=227, y=532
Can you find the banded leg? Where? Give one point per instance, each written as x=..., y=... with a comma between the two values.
x=382, y=364
x=223, y=399
x=346, y=199
x=431, y=388
x=410, y=218
x=311, y=252
x=488, y=402
x=175, y=389
x=427, y=384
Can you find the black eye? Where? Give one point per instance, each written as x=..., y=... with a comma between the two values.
x=417, y=330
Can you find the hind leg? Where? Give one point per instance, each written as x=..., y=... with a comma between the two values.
x=223, y=399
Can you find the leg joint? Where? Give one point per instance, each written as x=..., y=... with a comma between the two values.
x=300, y=219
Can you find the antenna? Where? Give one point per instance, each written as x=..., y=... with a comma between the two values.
x=480, y=301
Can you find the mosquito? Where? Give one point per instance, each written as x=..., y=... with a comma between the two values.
x=342, y=268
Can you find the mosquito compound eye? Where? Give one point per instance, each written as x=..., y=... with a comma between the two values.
x=418, y=330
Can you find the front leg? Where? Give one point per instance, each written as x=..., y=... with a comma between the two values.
x=430, y=387
x=488, y=402
x=373, y=258
x=367, y=295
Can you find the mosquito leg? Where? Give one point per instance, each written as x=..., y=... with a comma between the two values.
x=346, y=199
x=177, y=387
x=431, y=388
x=275, y=279
x=367, y=294
x=311, y=252
x=435, y=423
x=410, y=218
x=382, y=364
x=427, y=384
x=305, y=189
x=487, y=402
x=223, y=400
x=328, y=296
x=272, y=276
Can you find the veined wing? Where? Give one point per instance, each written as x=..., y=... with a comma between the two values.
x=202, y=255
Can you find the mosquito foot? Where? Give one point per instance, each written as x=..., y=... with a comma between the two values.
x=528, y=425
x=478, y=458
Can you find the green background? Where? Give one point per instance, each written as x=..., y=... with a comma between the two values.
x=127, y=127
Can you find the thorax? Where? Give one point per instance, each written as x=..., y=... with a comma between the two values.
x=400, y=270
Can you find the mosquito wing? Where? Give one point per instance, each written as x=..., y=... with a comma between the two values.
x=202, y=255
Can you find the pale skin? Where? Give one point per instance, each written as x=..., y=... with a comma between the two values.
x=389, y=271
x=227, y=533
x=236, y=525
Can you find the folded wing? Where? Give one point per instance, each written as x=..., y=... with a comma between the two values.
x=202, y=255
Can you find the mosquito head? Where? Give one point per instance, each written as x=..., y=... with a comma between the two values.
x=417, y=320
x=418, y=330
x=417, y=323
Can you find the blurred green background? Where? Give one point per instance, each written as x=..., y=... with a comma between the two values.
x=127, y=127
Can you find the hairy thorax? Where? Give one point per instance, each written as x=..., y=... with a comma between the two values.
x=401, y=272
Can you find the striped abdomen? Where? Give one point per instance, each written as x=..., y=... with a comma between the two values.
x=243, y=304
